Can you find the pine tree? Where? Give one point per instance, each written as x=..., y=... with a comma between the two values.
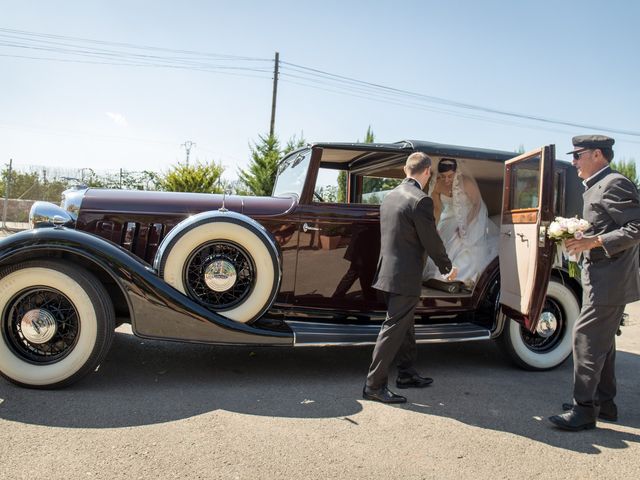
x=369, y=137
x=266, y=154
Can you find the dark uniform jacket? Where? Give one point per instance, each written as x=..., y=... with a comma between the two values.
x=408, y=235
x=612, y=207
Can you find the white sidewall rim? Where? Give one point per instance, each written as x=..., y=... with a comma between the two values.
x=565, y=297
x=265, y=270
x=32, y=374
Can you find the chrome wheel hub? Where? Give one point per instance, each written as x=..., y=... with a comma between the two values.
x=38, y=326
x=547, y=325
x=220, y=275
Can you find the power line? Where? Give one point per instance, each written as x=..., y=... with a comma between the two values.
x=454, y=103
x=307, y=77
x=28, y=34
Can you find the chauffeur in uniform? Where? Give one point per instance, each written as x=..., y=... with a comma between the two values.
x=610, y=280
x=408, y=234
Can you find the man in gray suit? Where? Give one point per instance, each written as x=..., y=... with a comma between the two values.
x=610, y=280
x=408, y=234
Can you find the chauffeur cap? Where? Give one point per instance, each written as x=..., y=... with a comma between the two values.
x=584, y=142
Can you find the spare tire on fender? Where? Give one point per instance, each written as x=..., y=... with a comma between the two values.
x=225, y=261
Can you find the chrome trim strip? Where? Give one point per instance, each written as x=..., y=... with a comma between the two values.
x=356, y=344
x=321, y=334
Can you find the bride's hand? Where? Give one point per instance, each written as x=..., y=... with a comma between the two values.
x=453, y=273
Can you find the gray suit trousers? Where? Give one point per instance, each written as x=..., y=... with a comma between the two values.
x=396, y=340
x=594, y=355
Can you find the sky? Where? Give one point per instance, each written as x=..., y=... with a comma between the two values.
x=134, y=80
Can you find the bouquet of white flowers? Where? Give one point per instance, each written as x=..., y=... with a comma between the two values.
x=563, y=228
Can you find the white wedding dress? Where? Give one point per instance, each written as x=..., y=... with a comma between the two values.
x=470, y=245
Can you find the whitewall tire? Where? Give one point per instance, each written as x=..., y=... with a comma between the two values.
x=57, y=323
x=227, y=266
x=551, y=344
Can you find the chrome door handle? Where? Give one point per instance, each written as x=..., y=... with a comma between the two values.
x=507, y=233
x=306, y=228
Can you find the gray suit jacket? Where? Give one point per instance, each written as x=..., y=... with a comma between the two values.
x=610, y=275
x=408, y=234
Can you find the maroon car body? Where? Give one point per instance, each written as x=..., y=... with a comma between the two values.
x=295, y=268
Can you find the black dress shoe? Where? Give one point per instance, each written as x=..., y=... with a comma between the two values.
x=413, y=381
x=608, y=411
x=383, y=395
x=573, y=420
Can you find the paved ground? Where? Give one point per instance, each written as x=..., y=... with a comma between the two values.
x=168, y=410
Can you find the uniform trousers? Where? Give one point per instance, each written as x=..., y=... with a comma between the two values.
x=396, y=340
x=594, y=356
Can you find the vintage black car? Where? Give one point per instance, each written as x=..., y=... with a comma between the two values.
x=293, y=270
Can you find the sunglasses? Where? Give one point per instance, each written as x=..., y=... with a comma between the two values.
x=576, y=155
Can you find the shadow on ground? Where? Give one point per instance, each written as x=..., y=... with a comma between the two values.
x=146, y=382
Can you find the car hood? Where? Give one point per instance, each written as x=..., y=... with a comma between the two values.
x=179, y=204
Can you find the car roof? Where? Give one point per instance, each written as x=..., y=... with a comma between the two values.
x=430, y=148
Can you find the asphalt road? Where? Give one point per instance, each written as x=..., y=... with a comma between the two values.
x=169, y=410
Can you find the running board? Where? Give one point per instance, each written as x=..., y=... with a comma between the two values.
x=307, y=334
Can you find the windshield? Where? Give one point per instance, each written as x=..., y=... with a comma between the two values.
x=291, y=174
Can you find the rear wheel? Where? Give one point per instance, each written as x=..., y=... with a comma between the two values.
x=57, y=323
x=551, y=343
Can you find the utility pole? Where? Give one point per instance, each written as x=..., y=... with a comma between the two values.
x=7, y=187
x=187, y=146
x=276, y=65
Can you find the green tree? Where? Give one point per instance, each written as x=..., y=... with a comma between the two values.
x=266, y=154
x=29, y=186
x=21, y=185
x=369, y=137
x=198, y=177
x=627, y=168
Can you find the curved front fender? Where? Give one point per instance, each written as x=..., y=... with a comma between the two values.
x=157, y=309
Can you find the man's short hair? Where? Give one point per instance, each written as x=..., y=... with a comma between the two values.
x=417, y=163
x=607, y=153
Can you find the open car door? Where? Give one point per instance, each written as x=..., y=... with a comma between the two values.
x=526, y=253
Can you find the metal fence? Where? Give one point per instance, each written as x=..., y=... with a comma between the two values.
x=22, y=185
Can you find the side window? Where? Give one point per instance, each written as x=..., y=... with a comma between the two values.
x=525, y=182
x=374, y=189
x=331, y=186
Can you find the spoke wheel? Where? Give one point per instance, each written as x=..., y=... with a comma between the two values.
x=57, y=323
x=42, y=325
x=550, y=331
x=220, y=275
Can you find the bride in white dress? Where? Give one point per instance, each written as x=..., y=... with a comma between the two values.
x=471, y=239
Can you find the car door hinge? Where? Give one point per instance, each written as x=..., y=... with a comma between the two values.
x=542, y=236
